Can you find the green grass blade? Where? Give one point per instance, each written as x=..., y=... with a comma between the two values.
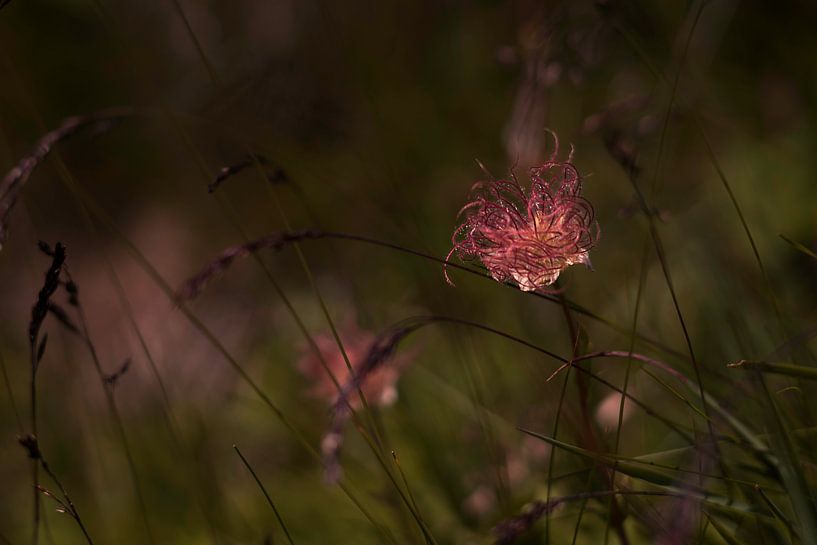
x=661, y=476
x=799, y=247
x=727, y=534
x=266, y=494
x=788, y=369
x=791, y=471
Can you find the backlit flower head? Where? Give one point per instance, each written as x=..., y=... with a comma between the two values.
x=528, y=236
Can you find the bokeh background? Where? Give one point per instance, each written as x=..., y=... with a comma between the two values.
x=383, y=115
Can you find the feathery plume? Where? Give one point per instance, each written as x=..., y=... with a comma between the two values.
x=528, y=236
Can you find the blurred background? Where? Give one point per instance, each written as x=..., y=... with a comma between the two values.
x=382, y=115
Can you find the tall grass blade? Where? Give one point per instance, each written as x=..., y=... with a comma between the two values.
x=266, y=494
x=799, y=247
x=788, y=369
x=791, y=470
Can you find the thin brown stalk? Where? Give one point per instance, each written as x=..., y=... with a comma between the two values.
x=36, y=347
x=72, y=508
x=274, y=174
x=37, y=344
x=630, y=355
x=16, y=178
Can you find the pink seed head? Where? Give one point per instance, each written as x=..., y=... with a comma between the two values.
x=528, y=236
x=379, y=387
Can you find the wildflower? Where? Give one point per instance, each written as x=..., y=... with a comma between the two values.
x=378, y=386
x=528, y=236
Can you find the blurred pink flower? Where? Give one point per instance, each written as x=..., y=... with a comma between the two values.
x=528, y=236
x=607, y=411
x=379, y=387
